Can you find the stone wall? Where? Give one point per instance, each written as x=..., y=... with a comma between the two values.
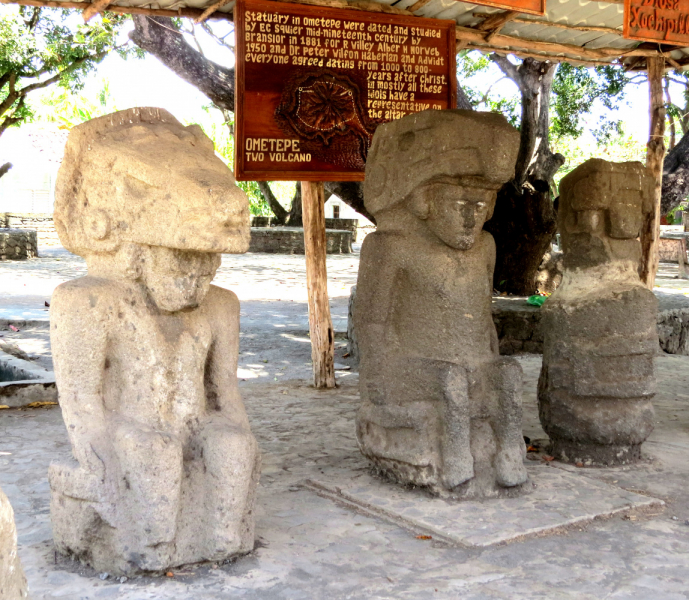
x=18, y=244
x=518, y=325
x=290, y=240
x=42, y=223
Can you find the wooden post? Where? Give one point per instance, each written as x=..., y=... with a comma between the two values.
x=320, y=324
x=655, y=153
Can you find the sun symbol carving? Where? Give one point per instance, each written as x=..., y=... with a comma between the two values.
x=326, y=105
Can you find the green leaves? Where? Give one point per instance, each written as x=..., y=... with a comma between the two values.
x=576, y=89
x=40, y=47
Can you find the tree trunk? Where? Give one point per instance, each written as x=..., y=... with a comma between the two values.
x=294, y=218
x=524, y=221
x=278, y=210
x=675, y=176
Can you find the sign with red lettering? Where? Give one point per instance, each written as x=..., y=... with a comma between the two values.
x=313, y=84
x=665, y=21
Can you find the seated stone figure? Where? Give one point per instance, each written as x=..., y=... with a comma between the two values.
x=440, y=408
x=145, y=350
x=599, y=326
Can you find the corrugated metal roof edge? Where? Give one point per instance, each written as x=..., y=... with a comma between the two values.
x=485, y=40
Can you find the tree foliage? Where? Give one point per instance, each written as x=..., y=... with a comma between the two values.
x=575, y=92
x=40, y=47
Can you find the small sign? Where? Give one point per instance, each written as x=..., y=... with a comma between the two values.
x=532, y=7
x=665, y=21
x=313, y=84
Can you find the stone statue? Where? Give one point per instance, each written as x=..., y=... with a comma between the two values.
x=12, y=579
x=597, y=379
x=440, y=407
x=145, y=350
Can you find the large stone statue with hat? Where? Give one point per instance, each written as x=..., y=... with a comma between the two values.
x=165, y=466
x=440, y=408
x=599, y=326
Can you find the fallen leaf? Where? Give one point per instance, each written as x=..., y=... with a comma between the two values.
x=169, y=574
x=39, y=404
x=424, y=537
x=13, y=328
x=548, y=458
x=3, y=406
x=580, y=464
x=346, y=355
x=532, y=449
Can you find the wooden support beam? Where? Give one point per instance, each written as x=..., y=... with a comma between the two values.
x=210, y=10
x=509, y=43
x=495, y=22
x=127, y=10
x=94, y=8
x=545, y=23
x=418, y=5
x=320, y=324
x=655, y=153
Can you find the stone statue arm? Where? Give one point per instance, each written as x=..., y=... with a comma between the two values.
x=79, y=320
x=379, y=267
x=222, y=392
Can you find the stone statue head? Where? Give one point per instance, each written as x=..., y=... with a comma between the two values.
x=602, y=208
x=445, y=167
x=140, y=177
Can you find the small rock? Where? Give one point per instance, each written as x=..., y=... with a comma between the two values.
x=123, y=579
x=104, y=576
x=675, y=519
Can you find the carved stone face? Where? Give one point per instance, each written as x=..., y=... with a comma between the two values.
x=177, y=279
x=455, y=214
x=602, y=207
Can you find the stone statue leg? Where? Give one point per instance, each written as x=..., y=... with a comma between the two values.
x=232, y=465
x=507, y=380
x=455, y=441
x=150, y=475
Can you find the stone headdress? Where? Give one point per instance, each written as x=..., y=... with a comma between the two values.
x=476, y=148
x=140, y=176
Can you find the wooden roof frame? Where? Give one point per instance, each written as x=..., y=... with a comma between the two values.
x=485, y=37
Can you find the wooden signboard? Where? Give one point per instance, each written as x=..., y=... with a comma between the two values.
x=313, y=84
x=533, y=7
x=665, y=21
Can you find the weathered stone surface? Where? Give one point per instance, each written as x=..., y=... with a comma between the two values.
x=440, y=407
x=598, y=379
x=12, y=580
x=18, y=244
x=145, y=351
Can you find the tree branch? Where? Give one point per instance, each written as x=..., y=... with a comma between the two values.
x=507, y=67
x=160, y=37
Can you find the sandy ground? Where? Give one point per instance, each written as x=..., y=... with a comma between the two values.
x=310, y=547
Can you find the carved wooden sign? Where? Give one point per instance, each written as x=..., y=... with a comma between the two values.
x=313, y=84
x=665, y=21
x=533, y=7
